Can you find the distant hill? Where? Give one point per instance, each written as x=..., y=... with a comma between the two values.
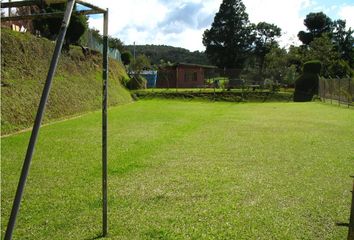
x=156, y=53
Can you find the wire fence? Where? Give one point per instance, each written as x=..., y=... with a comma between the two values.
x=206, y=78
x=96, y=44
x=337, y=91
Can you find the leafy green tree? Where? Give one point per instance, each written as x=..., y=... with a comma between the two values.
x=77, y=27
x=290, y=75
x=305, y=37
x=229, y=40
x=322, y=49
x=276, y=64
x=316, y=24
x=96, y=35
x=329, y=42
x=116, y=43
x=265, y=40
x=140, y=63
x=344, y=41
x=126, y=57
x=295, y=57
x=50, y=27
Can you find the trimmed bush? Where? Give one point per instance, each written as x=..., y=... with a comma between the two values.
x=313, y=67
x=306, y=85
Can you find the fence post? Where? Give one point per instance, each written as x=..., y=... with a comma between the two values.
x=177, y=78
x=329, y=87
x=351, y=220
x=349, y=93
x=339, y=92
x=324, y=90
x=104, y=124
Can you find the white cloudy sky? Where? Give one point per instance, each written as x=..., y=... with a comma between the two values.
x=181, y=23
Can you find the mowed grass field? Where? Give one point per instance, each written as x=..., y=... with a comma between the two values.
x=188, y=170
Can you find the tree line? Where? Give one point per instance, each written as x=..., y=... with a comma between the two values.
x=234, y=42
x=163, y=54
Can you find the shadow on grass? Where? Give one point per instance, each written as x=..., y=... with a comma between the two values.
x=98, y=236
x=350, y=225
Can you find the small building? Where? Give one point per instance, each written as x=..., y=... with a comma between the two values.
x=182, y=75
x=150, y=76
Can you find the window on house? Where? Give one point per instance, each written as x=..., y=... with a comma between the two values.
x=195, y=76
x=190, y=76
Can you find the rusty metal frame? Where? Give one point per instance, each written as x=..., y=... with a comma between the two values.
x=46, y=90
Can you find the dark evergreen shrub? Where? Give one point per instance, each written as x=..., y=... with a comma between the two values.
x=306, y=85
x=312, y=67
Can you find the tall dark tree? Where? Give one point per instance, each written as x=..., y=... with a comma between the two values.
x=50, y=27
x=339, y=40
x=229, y=40
x=316, y=24
x=344, y=41
x=265, y=40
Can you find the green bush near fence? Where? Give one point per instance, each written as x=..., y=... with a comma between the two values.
x=306, y=85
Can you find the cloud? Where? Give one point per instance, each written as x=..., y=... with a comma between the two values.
x=133, y=13
x=285, y=14
x=185, y=15
x=181, y=23
x=347, y=13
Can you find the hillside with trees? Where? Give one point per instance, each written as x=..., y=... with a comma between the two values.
x=162, y=54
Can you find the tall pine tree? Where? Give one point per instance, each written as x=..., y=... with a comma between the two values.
x=229, y=40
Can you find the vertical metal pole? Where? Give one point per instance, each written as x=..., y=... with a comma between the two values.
x=339, y=93
x=177, y=77
x=351, y=220
x=349, y=92
x=134, y=52
x=324, y=89
x=9, y=9
x=38, y=120
x=104, y=124
x=331, y=88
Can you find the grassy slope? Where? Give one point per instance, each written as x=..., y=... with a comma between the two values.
x=76, y=87
x=189, y=170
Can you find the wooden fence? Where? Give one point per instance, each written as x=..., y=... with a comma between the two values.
x=337, y=91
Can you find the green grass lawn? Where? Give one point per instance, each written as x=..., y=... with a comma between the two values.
x=188, y=170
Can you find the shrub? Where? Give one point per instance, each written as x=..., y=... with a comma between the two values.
x=313, y=67
x=126, y=57
x=307, y=84
x=137, y=82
